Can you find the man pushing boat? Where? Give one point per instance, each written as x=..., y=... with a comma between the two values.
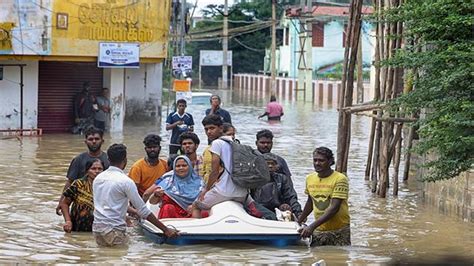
x=327, y=192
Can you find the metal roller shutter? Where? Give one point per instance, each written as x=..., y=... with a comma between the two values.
x=59, y=83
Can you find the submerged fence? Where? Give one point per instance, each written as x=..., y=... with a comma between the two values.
x=325, y=92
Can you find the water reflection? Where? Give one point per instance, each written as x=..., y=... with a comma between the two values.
x=33, y=173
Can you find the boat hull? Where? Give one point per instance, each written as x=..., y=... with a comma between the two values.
x=227, y=222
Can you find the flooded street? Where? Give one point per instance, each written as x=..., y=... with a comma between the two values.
x=32, y=175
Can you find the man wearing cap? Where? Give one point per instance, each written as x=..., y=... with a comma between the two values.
x=216, y=109
x=279, y=193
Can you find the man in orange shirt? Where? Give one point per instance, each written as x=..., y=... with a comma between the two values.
x=146, y=171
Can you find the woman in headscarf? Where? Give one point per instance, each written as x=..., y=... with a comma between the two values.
x=79, y=194
x=176, y=190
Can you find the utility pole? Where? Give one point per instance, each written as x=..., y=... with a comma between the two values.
x=183, y=28
x=305, y=61
x=273, y=56
x=225, y=37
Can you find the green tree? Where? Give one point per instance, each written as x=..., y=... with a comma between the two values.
x=248, y=49
x=439, y=48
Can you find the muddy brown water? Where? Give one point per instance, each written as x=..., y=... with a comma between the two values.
x=32, y=174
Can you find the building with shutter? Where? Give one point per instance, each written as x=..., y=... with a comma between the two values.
x=49, y=48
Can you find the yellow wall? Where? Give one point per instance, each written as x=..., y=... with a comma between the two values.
x=72, y=29
x=91, y=22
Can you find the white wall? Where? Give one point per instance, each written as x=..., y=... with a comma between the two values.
x=155, y=84
x=10, y=95
x=141, y=88
x=333, y=50
x=143, y=91
x=285, y=58
x=114, y=80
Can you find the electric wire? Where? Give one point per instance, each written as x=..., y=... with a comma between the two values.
x=248, y=47
x=214, y=38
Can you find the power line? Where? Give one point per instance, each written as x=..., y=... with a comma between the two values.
x=214, y=38
x=248, y=47
x=232, y=32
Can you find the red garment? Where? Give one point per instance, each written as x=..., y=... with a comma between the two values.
x=170, y=209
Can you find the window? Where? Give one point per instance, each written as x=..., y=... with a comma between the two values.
x=318, y=34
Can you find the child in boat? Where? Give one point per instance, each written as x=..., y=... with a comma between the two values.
x=81, y=215
x=176, y=190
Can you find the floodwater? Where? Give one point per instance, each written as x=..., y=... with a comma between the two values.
x=32, y=174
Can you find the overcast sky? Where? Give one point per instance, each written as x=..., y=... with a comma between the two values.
x=204, y=3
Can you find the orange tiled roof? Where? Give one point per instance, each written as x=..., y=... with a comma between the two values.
x=338, y=11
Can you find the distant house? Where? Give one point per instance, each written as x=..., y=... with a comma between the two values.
x=328, y=35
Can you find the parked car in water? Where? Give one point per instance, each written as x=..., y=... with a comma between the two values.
x=195, y=97
x=200, y=98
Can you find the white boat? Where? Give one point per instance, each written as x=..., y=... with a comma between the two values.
x=227, y=221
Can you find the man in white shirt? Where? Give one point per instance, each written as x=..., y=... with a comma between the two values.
x=219, y=187
x=113, y=190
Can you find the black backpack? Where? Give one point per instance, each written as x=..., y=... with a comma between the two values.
x=249, y=169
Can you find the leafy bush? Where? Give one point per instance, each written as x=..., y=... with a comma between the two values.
x=439, y=48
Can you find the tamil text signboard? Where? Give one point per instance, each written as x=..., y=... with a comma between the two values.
x=119, y=55
x=214, y=58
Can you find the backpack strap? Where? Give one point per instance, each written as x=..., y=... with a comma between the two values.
x=222, y=162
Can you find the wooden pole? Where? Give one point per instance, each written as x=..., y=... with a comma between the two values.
x=341, y=133
x=383, y=141
x=379, y=90
x=407, y=159
x=360, y=81
x=225, y=38
x=364, y=107
x=371, y=149
x=376, y=98
x=387, y=131
x=344, y=123
x=390, y=119
x=376, y=160
x=393, y=142
x=390, y=88
x=396, y=166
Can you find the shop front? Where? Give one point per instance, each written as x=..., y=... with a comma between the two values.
x=58, y=44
